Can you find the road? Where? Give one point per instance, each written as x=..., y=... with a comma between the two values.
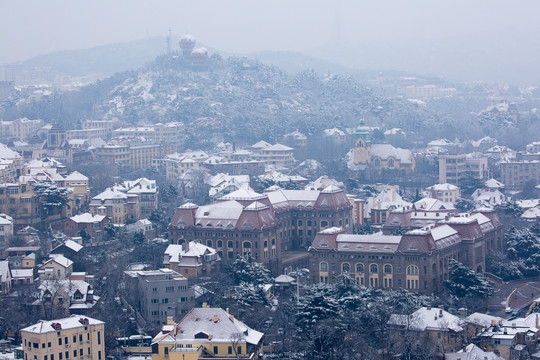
x=515, y=294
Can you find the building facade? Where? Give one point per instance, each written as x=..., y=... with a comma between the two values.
x=207, y=333
x=417, y=260
x=74, y=337
x=159, y=294
x=262, y=226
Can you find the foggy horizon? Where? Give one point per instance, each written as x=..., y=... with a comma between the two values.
x=419, y=30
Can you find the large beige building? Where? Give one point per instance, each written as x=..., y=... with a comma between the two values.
x=73, y=338
x=515, y=174
x=118, y=206
x=207, y=333
x=453, y=168
x=19, y=129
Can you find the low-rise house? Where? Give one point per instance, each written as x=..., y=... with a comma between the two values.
x=192, y=259
x=471, y=352
x=146, y=189
x=478, y=322
x=23, y=256
x=223, y=184
x=22, y=276
x=531, y=214
x=447, y=193
x=57, y=267
x=6, y=229
x=142, y=225
x=74, y=337
x=377, y=208
x=58, y=298
x=427, y=329
x=512, y=339
x=5, y=277
x=117, y=205
x=68, y=248
x=207, y=333
x=489, y=197
x=89, y=224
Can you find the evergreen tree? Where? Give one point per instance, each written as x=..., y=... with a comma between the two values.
x=465, y=282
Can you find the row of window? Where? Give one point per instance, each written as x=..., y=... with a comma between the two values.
x=65, y=340
x=373, y=268
x=60, y=355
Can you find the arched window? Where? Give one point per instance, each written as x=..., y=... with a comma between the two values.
x=230, y=244
x=265, y=244
x=324, y=266
x=209, y=243
x=220, y=244
x=324, y=223
x=345, y=268
x=412, y=270
x=387, y=269
x=360, y=268
x=273, y=241
x=246, y=249
x=377, y=162
x=373, y=268
x=391, y=163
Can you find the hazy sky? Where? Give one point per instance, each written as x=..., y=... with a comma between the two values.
x=34, y=27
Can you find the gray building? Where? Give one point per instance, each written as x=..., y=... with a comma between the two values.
x=159, y=293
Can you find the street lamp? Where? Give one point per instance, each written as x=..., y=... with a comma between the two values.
x=300, y=273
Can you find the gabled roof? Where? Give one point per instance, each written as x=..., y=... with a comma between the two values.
x=261, y=145
x=195, y=249
x=71, y=322
x=5, y=272
x=76, y=176
x=428, y=319
x=216, y=323
x=70, y=244
x=87, y=218
x=429, y=204
x=385, y=151
x=278, y=147
x=59, y=259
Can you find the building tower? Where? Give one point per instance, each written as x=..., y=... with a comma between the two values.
x=199, y=56
x=187, y=43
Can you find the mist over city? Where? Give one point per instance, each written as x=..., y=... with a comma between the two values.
x=269, y=180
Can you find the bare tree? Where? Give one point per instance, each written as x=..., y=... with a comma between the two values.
x=235, y=339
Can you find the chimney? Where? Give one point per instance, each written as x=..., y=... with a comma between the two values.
x=429, y=307
x=215, y=318
x=505, y=331
x=513, y=325
x=170, y=320
x=493, y=322
x=440, y=313
x=205, y=305
x=537, y=321
x=231, y=318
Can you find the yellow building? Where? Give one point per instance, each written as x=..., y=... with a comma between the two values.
x=73, y=338
x=380, y=156
x=276, y=155
x=207, y=333
x=176, y=165
x=79, y=184
x=118, y=206
x=114, y=154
